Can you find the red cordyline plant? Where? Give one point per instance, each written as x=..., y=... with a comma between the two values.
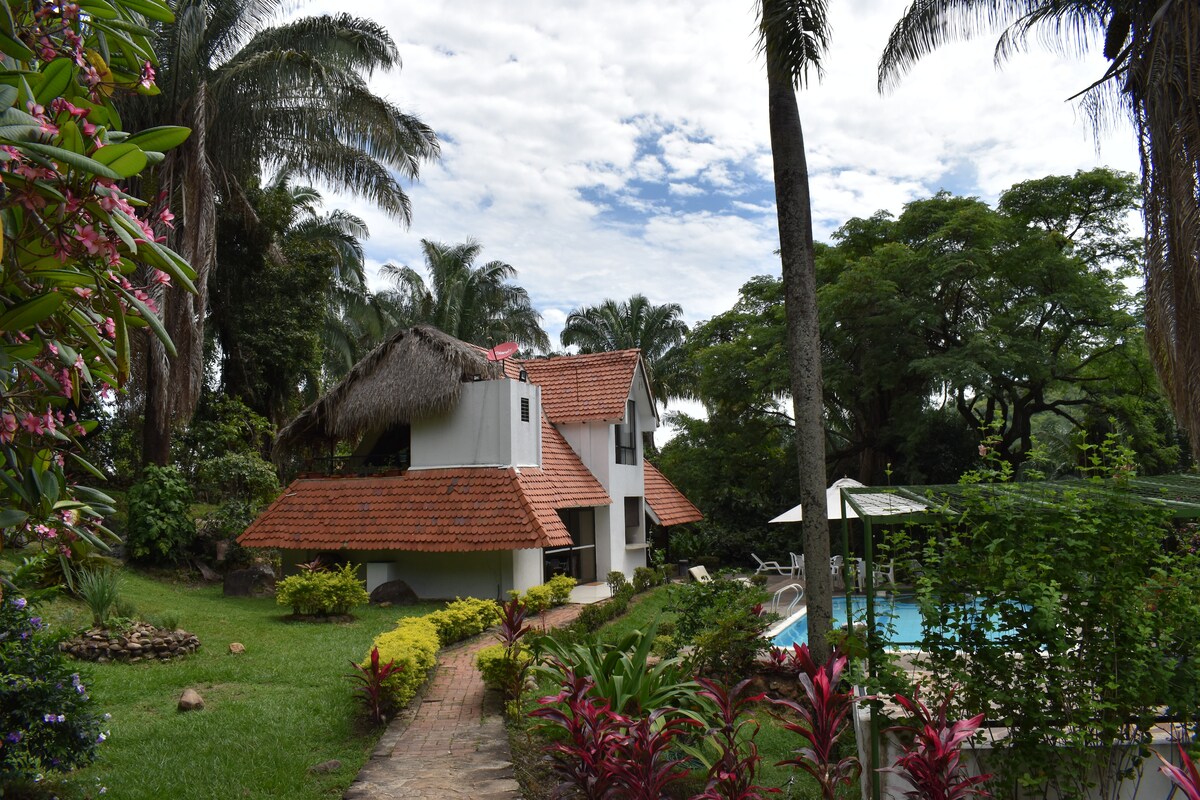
x=512, y=623
x=644, y=768
x=370, y=689
x=587, y=761
x=731, y=777
x=933, y=762
x=1185, y=776
x=822, y=713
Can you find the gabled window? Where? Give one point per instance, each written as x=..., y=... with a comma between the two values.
x=627, y=436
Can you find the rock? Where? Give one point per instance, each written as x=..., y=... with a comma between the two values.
x=190, y=700
x=397, y=592
x=256, y=581
x=326, y=766
x=208, y=573
x=236, y=648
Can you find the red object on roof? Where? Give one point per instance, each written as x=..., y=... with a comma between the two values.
x=502, y=351
x=585, y=388
x=433, y=510
x=666, y=502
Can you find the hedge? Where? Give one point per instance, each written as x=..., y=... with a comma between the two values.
x=464, y=618
x=413, y=645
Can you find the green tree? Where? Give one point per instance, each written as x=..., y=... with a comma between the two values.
x=292, y=96
x=793, y=35
x=1153, y=54
x=657, y=330
x=279, y=278
x=477, y=304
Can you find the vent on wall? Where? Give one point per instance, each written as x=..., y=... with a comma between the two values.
x=524, y=409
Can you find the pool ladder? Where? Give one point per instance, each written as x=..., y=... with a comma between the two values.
x=781, y=593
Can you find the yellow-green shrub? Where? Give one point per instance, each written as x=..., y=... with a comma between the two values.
x=412, y=644
x=335, y=591
x=463, y=618
x=560, y=589
x=537, y=599
x=498, y=668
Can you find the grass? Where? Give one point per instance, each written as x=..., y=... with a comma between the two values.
x=270, y=714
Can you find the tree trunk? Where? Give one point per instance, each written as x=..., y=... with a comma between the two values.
x=804, y=350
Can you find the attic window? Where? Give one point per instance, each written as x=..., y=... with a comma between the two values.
x=524, y=409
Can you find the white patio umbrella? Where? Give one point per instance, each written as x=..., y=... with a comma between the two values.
x=833, y=503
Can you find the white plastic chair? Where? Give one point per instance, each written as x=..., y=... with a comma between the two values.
x=771, y=566
x=835, y=567
x=700, y=574
x=883, y=571
x=798, y=566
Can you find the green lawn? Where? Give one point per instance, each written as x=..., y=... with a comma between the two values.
x=269, y=715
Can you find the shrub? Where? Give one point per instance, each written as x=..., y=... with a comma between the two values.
x=538, y=598
x=160, y=524
x=646, y=578
x=322, y=592
x=560, y=589
x=501, y=668
x=719, y=620
x=241, y=475
x=616, y=581
x=46, y=717
x=372, y=682
x=413, y=646
x=100, y=589
x=464, y=618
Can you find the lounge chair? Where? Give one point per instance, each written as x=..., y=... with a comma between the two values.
x=884, y=572
x=700, y=574
x=771, y=566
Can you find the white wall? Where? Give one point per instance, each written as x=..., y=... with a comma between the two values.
x=483, y=429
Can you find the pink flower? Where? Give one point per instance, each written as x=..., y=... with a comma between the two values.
x=83, y=292
x=983, y=450
x=166, y=217
x=33, y=424
x=147, y=75
x=162, y=277
x=8, y=427
x=89, y=238
x=109, y=328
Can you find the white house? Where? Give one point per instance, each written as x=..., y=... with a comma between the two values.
x=468, y=477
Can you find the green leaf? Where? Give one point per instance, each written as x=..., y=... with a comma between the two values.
x=56, y=77
x=8, y=95
x=124, y=159
x=11, y=518
x=99, y=9
x=73, y=159
x=12, y=47
x=164, y=137
x=70, y=137
x=151, y=9
x=30, y=312
x=151, y=319
x=179, y=270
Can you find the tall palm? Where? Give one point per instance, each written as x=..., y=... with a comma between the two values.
x=657, y=330
x=793, y=35
x=477, y=304
x=292, y=96
x=1153, y=53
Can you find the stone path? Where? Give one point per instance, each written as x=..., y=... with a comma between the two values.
x=453, y=743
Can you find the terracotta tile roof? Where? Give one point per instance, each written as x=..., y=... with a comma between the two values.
x=584, y=388
x=451, y=510
x=666, y=502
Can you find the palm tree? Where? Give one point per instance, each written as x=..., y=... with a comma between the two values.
x=793, y=35
x=475, y=304
x=291, y=97
x=658, y=331
x=1153, y=53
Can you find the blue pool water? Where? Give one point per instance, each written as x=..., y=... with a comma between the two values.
x=900, y=611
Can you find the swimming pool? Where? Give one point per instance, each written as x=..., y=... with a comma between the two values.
x=900, y=611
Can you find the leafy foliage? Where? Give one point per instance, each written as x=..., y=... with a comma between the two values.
x=161, y=529
x=78, y=252
x=47, y=720
x=560, y=589
x=464, y=618
x=932, y=763
x=720, y=620
x=413, y=646
x=1185, y=776
x=100, y=590
x=504, y=668
x=731, y=775
x=372, y=679
x=322, y=592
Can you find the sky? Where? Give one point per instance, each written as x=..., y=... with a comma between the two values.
x=610, y=148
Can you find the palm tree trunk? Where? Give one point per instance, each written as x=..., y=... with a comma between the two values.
x=794, y=209
x=173, y=384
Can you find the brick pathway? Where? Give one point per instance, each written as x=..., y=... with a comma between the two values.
x=452, y=743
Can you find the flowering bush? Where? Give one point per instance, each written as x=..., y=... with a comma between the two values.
x=82, y=259
x=46, y=718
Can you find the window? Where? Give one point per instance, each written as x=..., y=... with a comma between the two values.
x=524, y=409
x=635, y=533
x=627, y=436
x=579, y=559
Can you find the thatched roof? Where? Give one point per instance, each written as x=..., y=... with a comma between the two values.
x=416, y=372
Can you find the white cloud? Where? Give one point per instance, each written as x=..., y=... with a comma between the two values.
x=549, y=111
